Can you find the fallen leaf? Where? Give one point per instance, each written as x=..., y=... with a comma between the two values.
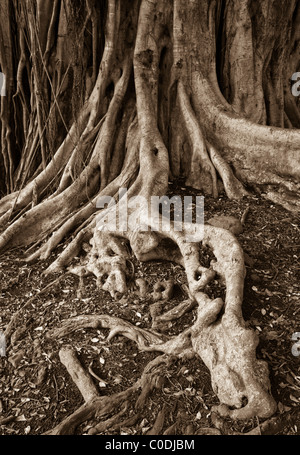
x=289, y=379
x=269, y=293
x=272, y=335
x=21, y=418
x=294, y=398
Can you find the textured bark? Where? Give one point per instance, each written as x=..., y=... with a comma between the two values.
x=112, y=94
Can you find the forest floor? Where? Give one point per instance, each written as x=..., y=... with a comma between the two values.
x=36, y=392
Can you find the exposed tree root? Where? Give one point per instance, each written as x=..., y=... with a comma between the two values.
x=218, y=335
x=198, y=178
x=160, y=319
x=158, y=424
x=82, y=379
x=100, y=407
x=269, y=427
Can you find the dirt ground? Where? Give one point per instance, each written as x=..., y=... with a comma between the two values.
x=36, y=392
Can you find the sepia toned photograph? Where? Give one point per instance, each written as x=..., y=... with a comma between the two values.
x=149, y=221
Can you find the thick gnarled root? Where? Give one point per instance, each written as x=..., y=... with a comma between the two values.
x=106, y=412
x=218, y=335
x=229, y=351
x=107, y=261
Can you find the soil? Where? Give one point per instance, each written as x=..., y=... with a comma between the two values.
x=36, y=390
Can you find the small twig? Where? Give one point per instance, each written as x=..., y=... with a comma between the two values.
x=244, y=215
x=94, y=374
x=56, y=388
x=132, y=268
x=275, y=274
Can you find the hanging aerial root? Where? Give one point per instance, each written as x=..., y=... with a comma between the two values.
x=19, y=199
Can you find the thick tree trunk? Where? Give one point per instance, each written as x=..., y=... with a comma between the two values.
x=129, y=94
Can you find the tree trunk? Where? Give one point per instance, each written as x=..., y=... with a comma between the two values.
x=111, y=94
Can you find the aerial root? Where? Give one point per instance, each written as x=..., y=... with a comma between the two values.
x=142, y=287
x=218, y=334
x=289, y=202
